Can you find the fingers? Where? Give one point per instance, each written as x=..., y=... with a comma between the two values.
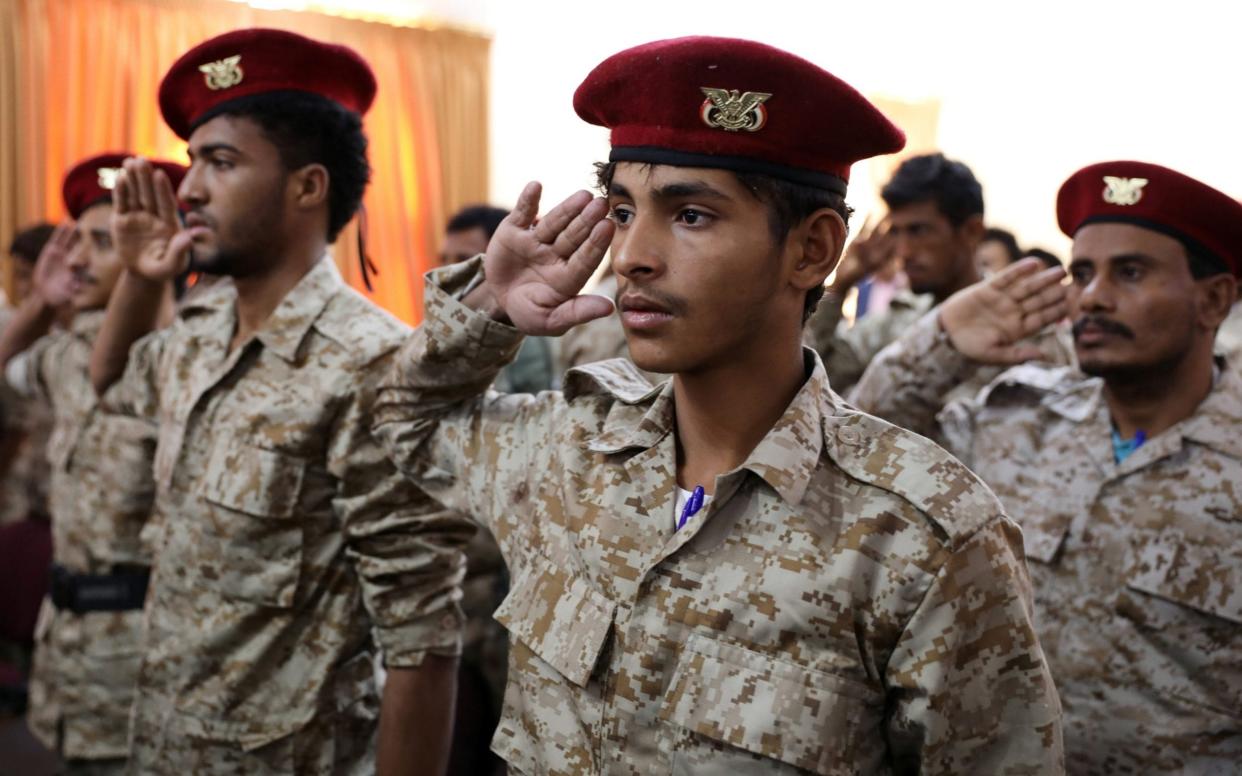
x=1014, y=273
x=577, y=311
x=123, y=198
x=579, y=229
x=582, y=264
x=527, y=206
x=64, y=236
x=1013, y=354
x=165, y=199
x=560, y=217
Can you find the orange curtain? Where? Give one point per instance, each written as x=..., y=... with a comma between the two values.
x=79, y=77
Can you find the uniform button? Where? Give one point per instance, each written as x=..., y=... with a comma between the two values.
x=849, y=435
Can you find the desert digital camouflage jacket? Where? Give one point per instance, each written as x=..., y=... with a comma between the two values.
x=288, y=538
x=86, y=665
x=1137, y=566
x=851, y=601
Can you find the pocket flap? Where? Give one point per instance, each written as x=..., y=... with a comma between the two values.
x=560, y=616
x=1205, y=578
x=249, y=479
x=772, y=707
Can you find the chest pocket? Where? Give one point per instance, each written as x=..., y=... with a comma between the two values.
x=559, y=616
x=739, y=710
x=252, y=547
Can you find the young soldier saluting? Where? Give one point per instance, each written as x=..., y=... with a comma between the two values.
x=101, y=491
x=291, y=547
x=735, y=572
x=1125, y=479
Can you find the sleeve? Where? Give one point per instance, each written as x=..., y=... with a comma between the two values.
x=827, y=334
x=469, y=448
x=406, y=548
x=29, y=372
x=907, y=382
x=137, y=392
x=973, y=692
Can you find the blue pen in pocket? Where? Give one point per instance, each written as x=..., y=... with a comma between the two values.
x=693, y=505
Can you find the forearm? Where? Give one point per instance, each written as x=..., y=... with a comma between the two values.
x=416, y=718
x=134, y=309
x=907, y=382
x=31, y=321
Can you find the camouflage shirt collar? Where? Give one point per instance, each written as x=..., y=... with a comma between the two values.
x=87, y=324
x=1216, y=421
x=288, y=324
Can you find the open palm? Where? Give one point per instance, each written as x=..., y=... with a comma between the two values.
x=536, y=269
x=52, y=280
x=145, y=229
x=988, y=321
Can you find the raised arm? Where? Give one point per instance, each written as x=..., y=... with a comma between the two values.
x=51, y=292
x=154, y=248
x=983, y=324
x=434, y=414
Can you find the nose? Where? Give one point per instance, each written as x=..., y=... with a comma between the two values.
x=78, y=258
x=191, y=191
x=638, y=250
x=1095, y=296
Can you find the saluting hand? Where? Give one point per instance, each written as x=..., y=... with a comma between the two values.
x=145, y=228
x=986, y=321
x=535, y=269
x=867, y=254
x=52, y=279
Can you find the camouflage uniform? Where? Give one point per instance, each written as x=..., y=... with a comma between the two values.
x=86, y=664
x=25, y=425
x=289, y=546
x=1137, y=566
x=1055, y=342
x=851, y=601
x=846, y=350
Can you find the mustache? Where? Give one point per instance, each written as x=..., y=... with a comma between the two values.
x=83, y=275
x=1103, y=324
x=674, y=304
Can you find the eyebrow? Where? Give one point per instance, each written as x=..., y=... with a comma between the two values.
x=211, y=148
x=672, y=191
x=1135, y=256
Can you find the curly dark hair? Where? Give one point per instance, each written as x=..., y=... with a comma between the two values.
x=788, y=205
x=932, y=177
x=310, y=129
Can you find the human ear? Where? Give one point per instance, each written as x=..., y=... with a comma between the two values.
x=971, y=231
x=817, y=244
x=309, y=186
x=1216, y=297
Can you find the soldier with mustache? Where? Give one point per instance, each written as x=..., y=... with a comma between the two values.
x=1125, y=474
x=735, y=571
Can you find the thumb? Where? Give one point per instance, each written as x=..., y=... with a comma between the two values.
x=579, y=310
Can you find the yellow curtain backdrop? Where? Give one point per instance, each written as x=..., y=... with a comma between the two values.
x=79, y=77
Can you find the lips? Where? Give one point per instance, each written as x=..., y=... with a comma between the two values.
x=641, y=313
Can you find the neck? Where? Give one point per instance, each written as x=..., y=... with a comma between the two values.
x=258, y=295
x=967, y=277
x=1155, y=401
x=723, y=412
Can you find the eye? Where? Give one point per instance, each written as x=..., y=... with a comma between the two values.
x=692, y=217
x=621, y=215
x=221, y=164
x=1131, y=272
x=1080, y=275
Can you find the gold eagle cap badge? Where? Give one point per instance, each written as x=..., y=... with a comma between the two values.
x=732, y=111
x=222, y=73
x=108, y=176
x=1123, y=191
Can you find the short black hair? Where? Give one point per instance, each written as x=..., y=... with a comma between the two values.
x=1006, y=239
x=1204, y=263
x=310, y=129
x=28, y=243
x=485, y=217
x=933, y=178
x=1047, y=257
x=788, y=205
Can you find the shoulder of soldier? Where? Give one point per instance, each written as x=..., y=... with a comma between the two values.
x=913, y=468
x=616, y=378
x=1035, y=383
x=361, y=327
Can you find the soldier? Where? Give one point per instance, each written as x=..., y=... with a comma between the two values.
x=734, y=572
x=290, y=547
x=89, y=640
x=934, y=225
x=1124, y=477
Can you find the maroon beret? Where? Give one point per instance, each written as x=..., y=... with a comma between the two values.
x=1156, y=198
x=243, y=63
x=91, y=180
x=737, y=105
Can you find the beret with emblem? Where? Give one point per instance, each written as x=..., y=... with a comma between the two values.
x=244, y=63
x=734, y=104
x=91, y=180
x=1155, y=198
